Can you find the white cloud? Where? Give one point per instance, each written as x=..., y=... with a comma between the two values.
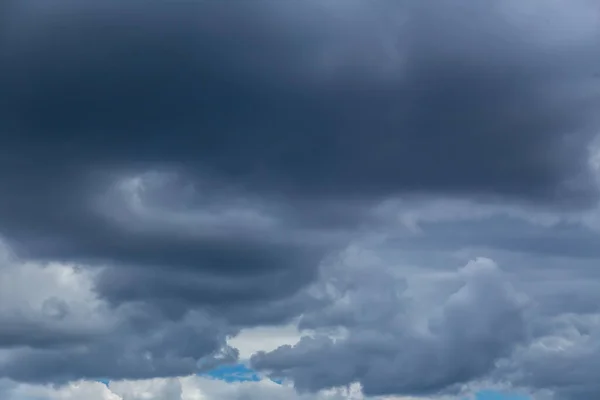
x=185, y=388
x=251, y=340
x=73, y=391
x=57, y=298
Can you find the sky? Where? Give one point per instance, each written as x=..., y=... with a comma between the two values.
x=299, y=200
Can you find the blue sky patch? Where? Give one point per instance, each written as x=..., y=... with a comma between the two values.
x=233, y=373
x=490, y=395
x=105, y=381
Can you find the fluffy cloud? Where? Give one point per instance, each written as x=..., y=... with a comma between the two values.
x=391, y=348
x=186, y=388
x=55, y=328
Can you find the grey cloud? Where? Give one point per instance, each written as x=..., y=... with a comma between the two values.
x=565, y=239
x=243, y=96
x=7, y=388
x=155, y=249
x=135, y=349
x=161, y=287
x=390, y=351
x=551, y=345
x=54, y=329
x=262, y=135
x=563, y=360
x=191, y=93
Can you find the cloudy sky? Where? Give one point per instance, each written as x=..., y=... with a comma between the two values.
x=299, y=200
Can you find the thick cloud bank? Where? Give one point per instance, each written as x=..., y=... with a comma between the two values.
x=175, y=173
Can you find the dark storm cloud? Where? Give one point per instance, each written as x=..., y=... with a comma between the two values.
x=247, y=93
x=509, y=234
x=195, y=286
x=207, y=156
x=18, y=333
x=298, y=102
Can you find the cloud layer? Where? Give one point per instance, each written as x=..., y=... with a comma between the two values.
x=415, y=184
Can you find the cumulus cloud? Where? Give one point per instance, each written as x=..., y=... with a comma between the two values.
x=390, y=349
x=563, y=359
x=55, y=328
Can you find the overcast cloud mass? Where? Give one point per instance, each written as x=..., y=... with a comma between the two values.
x=411, y=185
